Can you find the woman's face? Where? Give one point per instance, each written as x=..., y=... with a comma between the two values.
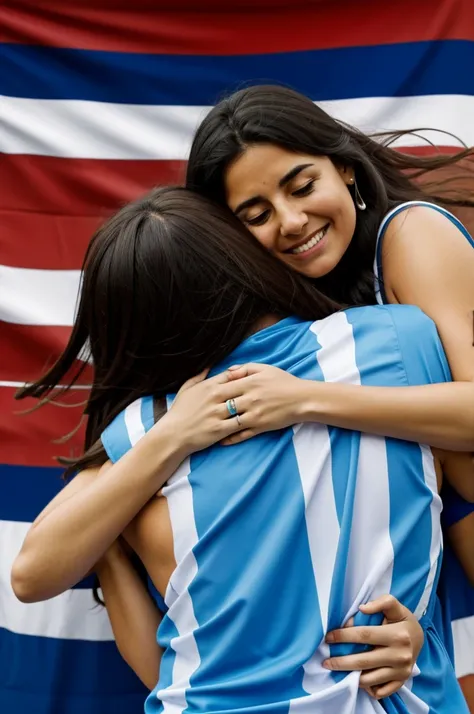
x=297, y=206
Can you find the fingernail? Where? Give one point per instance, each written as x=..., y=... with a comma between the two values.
x=330, y=637
x=327, y=664
x=234, y=367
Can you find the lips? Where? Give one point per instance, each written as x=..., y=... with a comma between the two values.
x=307, y=243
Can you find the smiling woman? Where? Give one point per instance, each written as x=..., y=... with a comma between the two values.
x=299, y=208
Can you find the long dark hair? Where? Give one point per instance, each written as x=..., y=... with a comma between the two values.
x=171, y=284
x=385, y=177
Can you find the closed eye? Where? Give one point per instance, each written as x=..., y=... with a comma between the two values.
x=258, y=220
x=304, y=190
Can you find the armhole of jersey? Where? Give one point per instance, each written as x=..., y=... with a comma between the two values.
x=130, y=426
x=380, y=294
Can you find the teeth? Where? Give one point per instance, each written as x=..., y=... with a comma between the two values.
x=311, y=243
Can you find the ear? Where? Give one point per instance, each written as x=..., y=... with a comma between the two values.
x=346, y=173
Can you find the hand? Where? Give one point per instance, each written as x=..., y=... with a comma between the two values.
x=397, y=643
x=269, y=399
x=199, y=416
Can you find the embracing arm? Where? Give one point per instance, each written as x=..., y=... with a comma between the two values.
x=434, y=272
x=133, y=614
x=87, y=516
x=76, y=528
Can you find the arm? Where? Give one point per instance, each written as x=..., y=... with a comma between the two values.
x=458, y=468
x=436, y=273
x=133, y=614
x=90, y=513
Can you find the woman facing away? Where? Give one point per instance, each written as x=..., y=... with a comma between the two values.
x=344, y=209
x=261, y=549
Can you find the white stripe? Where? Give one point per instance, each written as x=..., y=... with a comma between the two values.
x=313, y=453
x=463, y=635
x=436, y=545
x=179, y=496
x=372, y=484
x=370, y=557
x=38, y=297
x=73, y=615
x=133, y=421
x=101, y=130
x=336, y=358
x=17, y=385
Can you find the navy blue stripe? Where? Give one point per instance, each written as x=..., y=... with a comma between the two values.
x=26, y=490
x=45, y=675
x=404, y=69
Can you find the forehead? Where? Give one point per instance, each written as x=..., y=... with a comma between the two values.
x=261, y=167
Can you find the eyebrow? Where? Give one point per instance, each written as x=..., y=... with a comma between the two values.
x=281, y=183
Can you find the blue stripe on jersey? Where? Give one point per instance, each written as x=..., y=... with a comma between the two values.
x=166, y=633
x=135, y=78
x=244, y=501
x=115, y=438
x=405, y=461
x=83, y=676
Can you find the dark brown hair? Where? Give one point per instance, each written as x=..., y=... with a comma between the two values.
x=385, y=177
x=171, y=284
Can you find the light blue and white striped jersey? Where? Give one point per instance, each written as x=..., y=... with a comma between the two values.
x=279, y=539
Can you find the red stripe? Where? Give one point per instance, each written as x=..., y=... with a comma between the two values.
x=239, y=30
x=50, y=207
x=27, y=439
x=29, y=350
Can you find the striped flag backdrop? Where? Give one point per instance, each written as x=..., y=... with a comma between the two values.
x=99, y=101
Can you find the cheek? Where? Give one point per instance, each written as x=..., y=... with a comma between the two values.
x=264, y=235
x=343, y=212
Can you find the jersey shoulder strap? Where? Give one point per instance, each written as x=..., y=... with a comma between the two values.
x=378, y=270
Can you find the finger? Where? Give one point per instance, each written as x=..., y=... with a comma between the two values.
x=194, y=380
x=229, y=427
x=387, y=689
x=237, y=372
x=350, y=663
x=238, y=437
x=393, y=610
x=245, y=370
x=376, y=677
x=370, y=691
x=380, y=635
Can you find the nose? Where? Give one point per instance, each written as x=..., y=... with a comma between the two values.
x=292, y=222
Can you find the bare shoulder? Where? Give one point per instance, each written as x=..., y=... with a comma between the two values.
x=421, y=226
x=423, y=250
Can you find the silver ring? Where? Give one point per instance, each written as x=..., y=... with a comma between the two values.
x=231, y=408
x=237, y=416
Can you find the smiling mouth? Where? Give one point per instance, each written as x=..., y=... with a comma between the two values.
x=310, y=243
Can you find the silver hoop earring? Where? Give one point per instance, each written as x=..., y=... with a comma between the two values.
x=359, y=201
